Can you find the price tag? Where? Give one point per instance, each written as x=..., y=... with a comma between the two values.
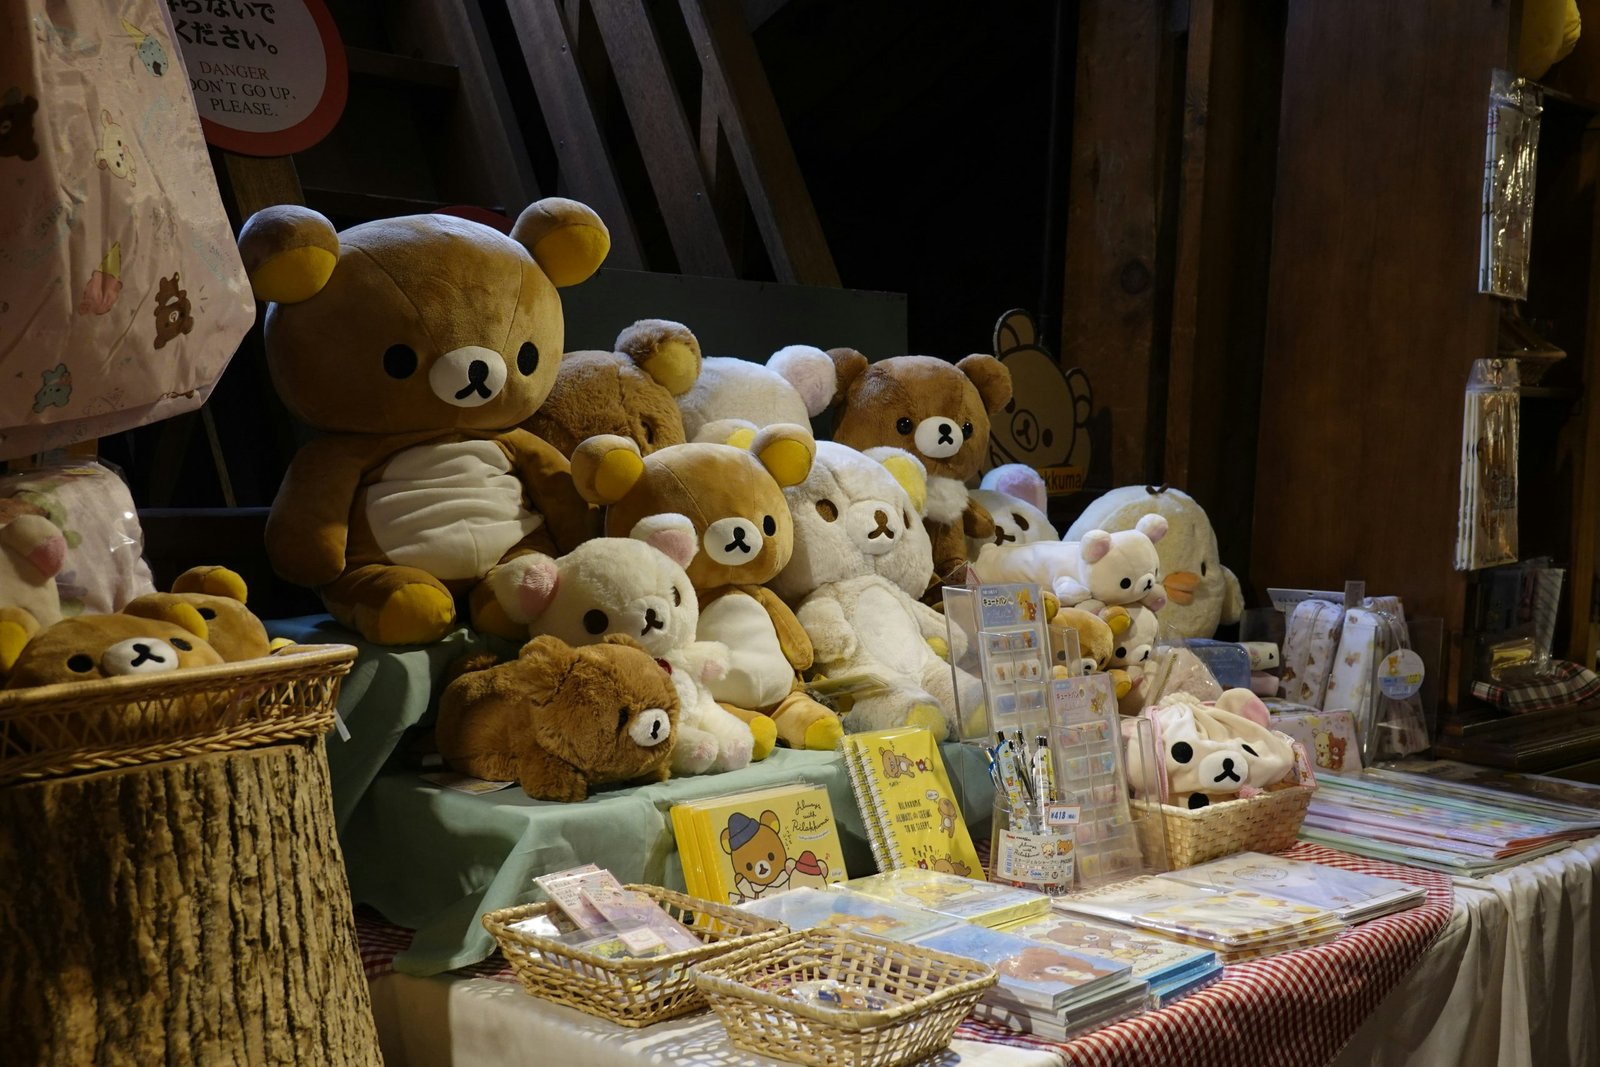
x=1401, y=674
x=1041, y=861
x=1061, y=814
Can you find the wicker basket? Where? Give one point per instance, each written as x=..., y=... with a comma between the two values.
x=1266, y=822
x=931, y=992
x=54, y=730
x=629, y=992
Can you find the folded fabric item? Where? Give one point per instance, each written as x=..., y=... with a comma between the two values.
x=1329, y=737
x=1565, y=684
x=1312, y=634
x=105, y=565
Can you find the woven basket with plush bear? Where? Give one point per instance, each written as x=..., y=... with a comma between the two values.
x=1230, y=783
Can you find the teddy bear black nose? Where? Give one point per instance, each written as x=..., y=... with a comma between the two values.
x=881, y=517
x=145, y=655
x=737, y=542
x=946, y=434
x=652, y=621
x=477, y=375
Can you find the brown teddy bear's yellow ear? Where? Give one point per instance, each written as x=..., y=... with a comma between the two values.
x=289, y=252
x=213, y=581
x=166, y=607
x=1118, y=618
x=740, y=433
x=606, y=467
x=991, y=377
x=566, y=238
x=17, y=628
x=665, y=350
x=848, y=364
x=786, y=450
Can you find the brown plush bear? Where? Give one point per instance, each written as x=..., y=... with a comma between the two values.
x=632, y=392
x=560, y=720
x=939, y=412
x=216, y=596
x=734, y=498
x=418, y=345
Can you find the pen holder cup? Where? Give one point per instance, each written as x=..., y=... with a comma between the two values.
x=1025, y=852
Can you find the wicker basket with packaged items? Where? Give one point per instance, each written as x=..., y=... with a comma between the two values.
x=629, y=991
x=834, y=998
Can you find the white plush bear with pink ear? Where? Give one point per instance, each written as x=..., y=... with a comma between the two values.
x=1113, y=568
x=636, y=586
x=1016, y=499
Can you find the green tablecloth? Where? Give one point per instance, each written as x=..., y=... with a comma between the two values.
x=435, y=859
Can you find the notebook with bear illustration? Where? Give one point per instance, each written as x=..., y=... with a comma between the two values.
x=810, y=909
x=907, y=803
x=744, y=846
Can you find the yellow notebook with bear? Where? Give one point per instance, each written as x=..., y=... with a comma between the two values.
x=748, y=845
x=907, y=802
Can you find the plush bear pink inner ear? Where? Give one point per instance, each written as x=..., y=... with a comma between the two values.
x=48, y=555
x=536, y=588
x=670, y=534
x=1152, y=526
x=1096, y=546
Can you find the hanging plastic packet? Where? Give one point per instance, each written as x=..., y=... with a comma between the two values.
x=1486, y=533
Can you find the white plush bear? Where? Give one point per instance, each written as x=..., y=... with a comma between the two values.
x=636, y=586
x=796, y=385
x=861, y=559
x=1202, y=593
x=1101, y=571
x=1014, y=496
x=1211, y=752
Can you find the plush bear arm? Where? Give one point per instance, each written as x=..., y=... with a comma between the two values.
x=547, y=477
x=1071, y=592
x=545, y=777
x=705, y=660
x=976, y=521
x=309, y=525
x=832, y=637
x=792, y=637
x=932, y=625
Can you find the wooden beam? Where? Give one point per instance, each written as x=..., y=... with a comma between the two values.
x=485, y=161
x=665, y=137
x=587, y=172
x=1111, y=308
x=262, y=182
x=759, y=144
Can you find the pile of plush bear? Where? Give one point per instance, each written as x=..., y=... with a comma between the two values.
x=659, y=531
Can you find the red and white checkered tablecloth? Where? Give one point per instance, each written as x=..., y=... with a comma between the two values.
x=1297, y=1008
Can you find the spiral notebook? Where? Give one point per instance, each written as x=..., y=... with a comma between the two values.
x=907, y=803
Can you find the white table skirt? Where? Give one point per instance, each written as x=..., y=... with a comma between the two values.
x=1513, y=979
x=483, y=1022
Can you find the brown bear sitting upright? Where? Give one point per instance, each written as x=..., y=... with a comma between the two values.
x=938, y=412
x=632, y=392
x=418, y=345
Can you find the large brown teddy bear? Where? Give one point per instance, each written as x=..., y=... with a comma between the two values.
x=632, y=392
x=734, y=498
x=939, y=412
x=560, y=720
x=217, y=596
x=419, y=345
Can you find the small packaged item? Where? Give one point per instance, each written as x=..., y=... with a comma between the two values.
x=626, y=939
x=566, y=888
x=831, y=995
x=641, y=923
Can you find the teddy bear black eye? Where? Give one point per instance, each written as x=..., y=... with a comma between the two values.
x=966, y=429
x=770, y=525
x=905, y=425
x=181, y=645
x=400, y=361
x=906, y=518
x=528, y=357
x=649, y=434
x=1121, y=652
x=208, y=614
x=1182, y=752
x=677, y=597
x=1248, y=749
x=1022, y=522
x=1127, y=582
x=1202, y=568
x=749, y=866
x=1048, y=437
x=80, y=664
x=622, y=717
x=595, y=621
x=827, y=509
x=771, y=857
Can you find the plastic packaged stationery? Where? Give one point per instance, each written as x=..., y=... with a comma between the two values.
x=1171, y=968
x=1008, y=645
x=1353, y=896
x=967, y=899
x=1086, y=741
x=1486, y=533
x=809, y=909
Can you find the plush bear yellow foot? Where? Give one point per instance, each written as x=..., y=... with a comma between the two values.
x=823, y=735
x=763, y=731
x=930, y=718
x=940, y=646
x=803, y=723
x=412, y=615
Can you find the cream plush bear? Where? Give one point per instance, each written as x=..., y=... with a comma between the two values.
x=1103, y=570
x=1211, y=752
x=1201, y=592
x=1135, y=643
x=32, y=551
x=1014, y=496
x=861, y=558
x=795, y=386
x=636, y=586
